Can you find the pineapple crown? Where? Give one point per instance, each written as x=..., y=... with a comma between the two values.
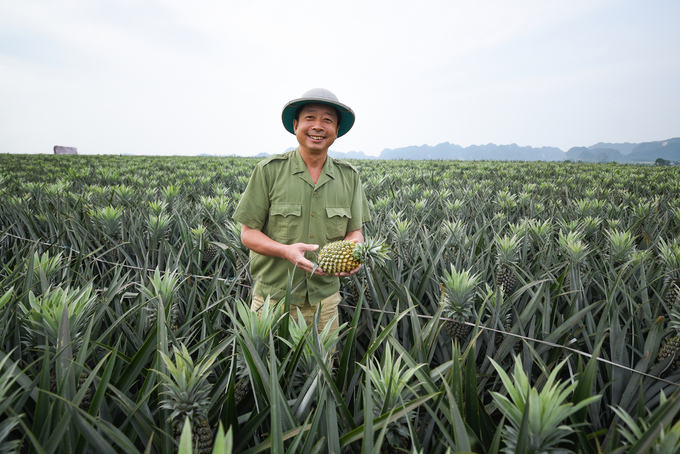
x=507, y=249
x=45, y=311
x=573, y=248
x=187, y=386
x=669, y=253
x=621, y=246
x=373, y=251
x=458, y=292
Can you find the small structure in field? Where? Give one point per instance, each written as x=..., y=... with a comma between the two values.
x=65, y=150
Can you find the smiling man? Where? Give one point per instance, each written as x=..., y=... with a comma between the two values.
x=297, y=202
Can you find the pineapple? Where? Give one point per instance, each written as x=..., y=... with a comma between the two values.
x=575, y=251
x=392, y=385
x=453, y=232
x=621, y=247
x=254, y=328
x=354, y=289
x=670, y=258
x=672, y=345
x=307, y=366
x=43, y=316
x=400, y=240
x=344, y=256
x=186, y=394
x=507, y=251
x=109, y=222
x=539, y=238
x=458, y=292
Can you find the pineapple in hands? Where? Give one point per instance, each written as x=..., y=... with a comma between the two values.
x=344, y=256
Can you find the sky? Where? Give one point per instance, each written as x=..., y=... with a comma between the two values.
x=171, y=77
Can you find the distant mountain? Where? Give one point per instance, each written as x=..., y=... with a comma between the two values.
x=623, y=148
x=643, y=152
x=591, y=154
x=446, y=150
x=600, y=152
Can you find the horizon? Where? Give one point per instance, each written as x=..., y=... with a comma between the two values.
x=151, y=78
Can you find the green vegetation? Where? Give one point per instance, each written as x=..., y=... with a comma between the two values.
x=124, y=323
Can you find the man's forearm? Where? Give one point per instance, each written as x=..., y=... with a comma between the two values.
x=258, y=242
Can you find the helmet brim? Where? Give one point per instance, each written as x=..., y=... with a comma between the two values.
x=346, y=114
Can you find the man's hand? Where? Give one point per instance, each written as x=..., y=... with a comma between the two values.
x=257, y=241
x=295, y=253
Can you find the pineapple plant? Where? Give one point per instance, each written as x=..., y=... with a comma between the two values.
x=307, y=366
x=400, y=241
x=208, y=249
x=507, y=253
x=392, y=386
x=621, y=247
x=454, y=233
x=457, y=296
x=256, y=327
x=187, y=394
x=672, y=345
x=344, y=256
x=109, y=222
x=575, y=251
x=500, y=317
x=42, y=320
x=669, y=254
x=542, y=428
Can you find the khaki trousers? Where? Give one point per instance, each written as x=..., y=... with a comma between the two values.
x=329, y=310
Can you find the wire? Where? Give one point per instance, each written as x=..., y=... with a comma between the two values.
x=368, y=309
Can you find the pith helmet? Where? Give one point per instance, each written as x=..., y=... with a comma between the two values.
x=320, y=96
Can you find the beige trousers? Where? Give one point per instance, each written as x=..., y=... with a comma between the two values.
x=329, y=309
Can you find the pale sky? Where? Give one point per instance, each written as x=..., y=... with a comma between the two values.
x=176, y=77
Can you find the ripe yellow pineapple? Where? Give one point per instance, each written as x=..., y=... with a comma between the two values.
x=344, y=256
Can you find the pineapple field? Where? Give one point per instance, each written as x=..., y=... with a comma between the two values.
x=523, y=307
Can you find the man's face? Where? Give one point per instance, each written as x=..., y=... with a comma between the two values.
x=316, y=128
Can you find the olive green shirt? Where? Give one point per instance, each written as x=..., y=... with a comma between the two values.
x=282, y=201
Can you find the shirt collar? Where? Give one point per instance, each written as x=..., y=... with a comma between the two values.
x=299, y=165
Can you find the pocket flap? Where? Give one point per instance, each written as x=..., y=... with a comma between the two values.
x=285, y=210
x=339, y=211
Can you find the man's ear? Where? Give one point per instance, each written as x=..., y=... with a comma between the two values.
x=295, y=125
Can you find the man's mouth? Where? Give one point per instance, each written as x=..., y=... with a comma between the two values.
x=316, y=137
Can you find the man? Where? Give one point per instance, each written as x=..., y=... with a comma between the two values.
x=297, y=202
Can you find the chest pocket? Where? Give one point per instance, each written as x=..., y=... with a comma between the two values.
x=336, y=224
x=284, y=222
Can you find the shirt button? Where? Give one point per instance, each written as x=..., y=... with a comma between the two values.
x=311, y=236
x=314, y=193
x=312, y=214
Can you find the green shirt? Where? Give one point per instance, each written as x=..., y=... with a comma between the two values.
x=282, y=201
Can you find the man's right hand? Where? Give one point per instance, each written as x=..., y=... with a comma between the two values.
x=295, y=253
x=257, y=241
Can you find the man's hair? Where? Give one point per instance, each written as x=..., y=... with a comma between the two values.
x=299, y=109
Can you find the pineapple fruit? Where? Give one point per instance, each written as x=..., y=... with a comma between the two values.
x=669, y=253
x=186, y=394
x=457, y=295
x=507, y=251
x=344, y=256
x=672, y=345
